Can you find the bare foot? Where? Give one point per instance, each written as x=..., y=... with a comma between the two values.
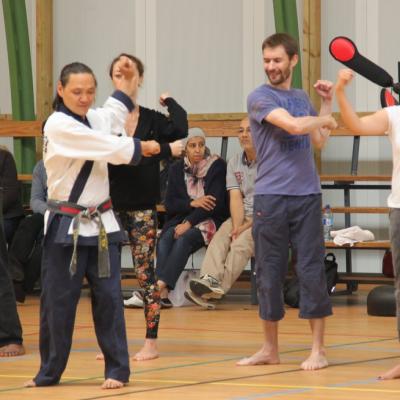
x=30, y=384
x=149, y=351
x=100, y=356
x=393, y=373
x=12, y=350
x=112, y=384
x=315, y=361
x=261, y=357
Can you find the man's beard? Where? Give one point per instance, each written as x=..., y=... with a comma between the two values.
x=280, y=77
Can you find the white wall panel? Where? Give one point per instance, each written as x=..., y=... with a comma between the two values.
x=207, y=54
x=258, y=23
x=200, y=53
x=146, y=49
x=93, y=32
x=388, y=42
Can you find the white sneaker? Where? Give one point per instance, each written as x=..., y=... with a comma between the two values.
x=136, y=301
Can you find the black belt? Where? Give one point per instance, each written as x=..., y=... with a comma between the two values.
x=78, y=212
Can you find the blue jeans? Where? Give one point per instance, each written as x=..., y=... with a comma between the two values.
x=173, y=254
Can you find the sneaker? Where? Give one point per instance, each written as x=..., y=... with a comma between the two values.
x=199, y=300
x=166, y=303
x=136, y=301
x=206, y=286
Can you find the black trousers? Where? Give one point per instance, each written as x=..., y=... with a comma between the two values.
x=10, y=325
x=58, y=304
x=25, y=252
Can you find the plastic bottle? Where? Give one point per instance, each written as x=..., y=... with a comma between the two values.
x=327, y=222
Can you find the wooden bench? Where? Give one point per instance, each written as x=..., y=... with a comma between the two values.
x=20, y=129
x=372, y=244
x=221, y=126
x=225, y=126
x=354, y=180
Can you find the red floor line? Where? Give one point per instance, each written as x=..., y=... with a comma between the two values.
x=280, y=332
x=82, y=327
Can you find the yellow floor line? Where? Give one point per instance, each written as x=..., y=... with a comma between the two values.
x=238, y=384
x=337, y=388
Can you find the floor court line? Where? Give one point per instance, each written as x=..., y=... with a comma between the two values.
x=285, y=389
x=197, y=329
x=292, y=389
x=239, y=356
x=69, y=380
x=166, y=340
x=259, y=332
x=337, y=387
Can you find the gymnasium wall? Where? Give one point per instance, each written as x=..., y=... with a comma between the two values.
x=207, y=55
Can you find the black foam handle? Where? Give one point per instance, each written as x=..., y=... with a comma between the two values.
x=371, y=71
x=345, y=51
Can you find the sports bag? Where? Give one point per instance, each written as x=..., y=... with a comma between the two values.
x=291, y=291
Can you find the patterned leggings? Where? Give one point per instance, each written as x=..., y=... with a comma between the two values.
x=142, y=230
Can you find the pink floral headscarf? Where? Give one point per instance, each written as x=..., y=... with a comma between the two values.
x=195, y=182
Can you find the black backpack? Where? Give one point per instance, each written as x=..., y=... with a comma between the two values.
x=331, y=268
x=291, y=293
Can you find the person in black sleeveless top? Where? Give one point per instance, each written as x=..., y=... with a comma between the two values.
x=135, y=191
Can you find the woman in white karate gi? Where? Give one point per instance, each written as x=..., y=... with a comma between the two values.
x=82, y=233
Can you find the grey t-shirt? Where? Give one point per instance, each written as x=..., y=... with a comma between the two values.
x=241, y=175
x=38, y=200
x=285, y=162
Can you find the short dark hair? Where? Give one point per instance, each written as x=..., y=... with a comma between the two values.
x=134, y=59
x=73, y=68
x=282, y=39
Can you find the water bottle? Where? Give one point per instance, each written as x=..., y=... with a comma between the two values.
x=327, y=222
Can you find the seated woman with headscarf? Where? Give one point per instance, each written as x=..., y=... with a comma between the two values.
x=196, y=205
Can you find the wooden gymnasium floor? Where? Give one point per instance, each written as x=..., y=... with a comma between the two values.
x=199, y=349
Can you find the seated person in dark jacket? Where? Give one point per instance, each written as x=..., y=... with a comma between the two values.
x=25, y=252
x=13, y=211
x=196, y=205
x=10, y=325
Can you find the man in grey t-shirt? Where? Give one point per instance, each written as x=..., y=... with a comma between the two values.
x=287, y=200
x=232, y=245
